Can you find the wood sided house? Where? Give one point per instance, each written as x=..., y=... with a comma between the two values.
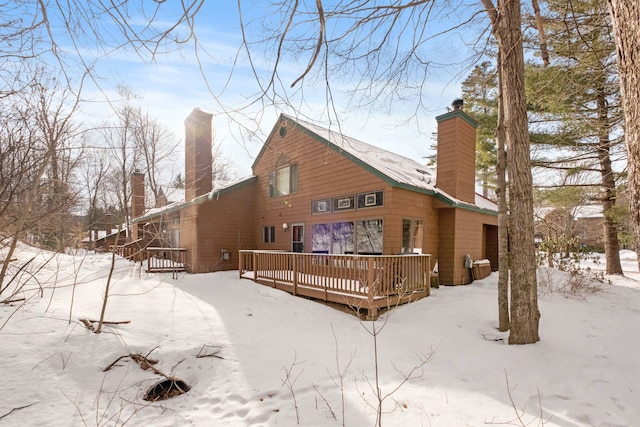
x=328, y=216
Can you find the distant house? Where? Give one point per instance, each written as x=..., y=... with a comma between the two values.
x=314, y=190
x=584, y=222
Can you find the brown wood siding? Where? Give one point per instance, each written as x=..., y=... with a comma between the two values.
x=224, y=223
x=412, y=205
x=461, y=232
x=322, y=173
x=447, y=245
x=188, y=234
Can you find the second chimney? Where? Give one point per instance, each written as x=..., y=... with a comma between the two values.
x=198, y=173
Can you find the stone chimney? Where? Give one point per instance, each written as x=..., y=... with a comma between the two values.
x=137, y=201
x=456, y=160
x=198, y=159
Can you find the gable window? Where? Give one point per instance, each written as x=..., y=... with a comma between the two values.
x=269, y=234
x=412, y=235
x=283, y=180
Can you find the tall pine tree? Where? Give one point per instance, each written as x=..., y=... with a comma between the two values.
x=575, y=103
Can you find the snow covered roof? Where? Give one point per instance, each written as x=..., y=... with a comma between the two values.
x=588, y=211
x=578, y=212
x=397, y=170
x=176, y=206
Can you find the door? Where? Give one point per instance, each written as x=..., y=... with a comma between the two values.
x=297, y=237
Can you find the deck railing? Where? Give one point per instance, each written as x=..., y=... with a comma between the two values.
x=362, y=281
x=131, y=250
x=166, y=259
x=158, y=260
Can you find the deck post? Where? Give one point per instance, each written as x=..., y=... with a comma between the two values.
x=372, y=310
x=294, y=266
x=255, y=267
x=240, y=257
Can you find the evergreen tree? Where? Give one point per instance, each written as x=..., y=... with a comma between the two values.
x=574, y=105
x=479, y=91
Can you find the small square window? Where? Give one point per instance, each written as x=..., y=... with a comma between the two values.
x=343, y=203
x=369, y=200
x=321, y=206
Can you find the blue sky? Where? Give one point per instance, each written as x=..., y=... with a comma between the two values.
x=172, y=85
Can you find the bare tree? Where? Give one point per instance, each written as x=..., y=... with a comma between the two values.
x=39, y=153
x=626, y=25
x=156, y=145
x=53, y=112
x=124, y=153
x=94, y=173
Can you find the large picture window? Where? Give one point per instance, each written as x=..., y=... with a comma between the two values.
x=321, y=238
x=369, y=237
x=342, y=238
x=362, y=237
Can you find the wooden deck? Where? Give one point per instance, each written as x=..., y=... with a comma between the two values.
x=158, y=260
x=368, y=282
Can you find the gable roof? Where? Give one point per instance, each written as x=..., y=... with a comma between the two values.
x=394, y=169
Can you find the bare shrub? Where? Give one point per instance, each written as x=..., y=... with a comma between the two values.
x=575, y=283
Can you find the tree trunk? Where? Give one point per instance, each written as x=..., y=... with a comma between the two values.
x=525, y=316
x=503, y=222
x=610, y=227
x=626, y=25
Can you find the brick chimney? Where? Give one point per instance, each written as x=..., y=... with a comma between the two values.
x=198, y=159
x=456, y=161
x=108, y=223
x=137, y=201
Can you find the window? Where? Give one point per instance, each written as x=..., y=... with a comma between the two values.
x=363, y=237
x=369, y=237
x=283, y=180
x=321, y=206
x=342, y=238
x=269, y=234
x=321, y=238
x=344, y=203
x=412, y=235
x=369, y=200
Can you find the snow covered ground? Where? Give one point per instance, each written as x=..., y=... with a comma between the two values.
x=285, y=361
